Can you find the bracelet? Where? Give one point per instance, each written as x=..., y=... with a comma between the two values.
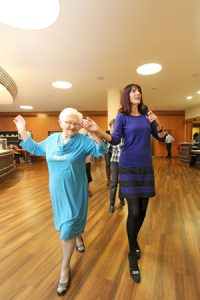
x=28, y=133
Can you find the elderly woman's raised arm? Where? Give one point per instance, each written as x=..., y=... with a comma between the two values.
x=21, y=127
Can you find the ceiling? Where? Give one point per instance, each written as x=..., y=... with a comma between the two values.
x=97, y=46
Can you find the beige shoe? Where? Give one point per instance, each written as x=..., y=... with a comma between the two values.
x=63, y=287
x=80, y=247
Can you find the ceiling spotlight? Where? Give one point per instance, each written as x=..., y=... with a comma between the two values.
x=189, y=97
x=198, y=92
x=8, y=88
x=149, y=69
x=62, y=84
x=26, y=107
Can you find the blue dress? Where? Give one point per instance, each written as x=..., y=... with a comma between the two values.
x=67, y=178
x=135, y=163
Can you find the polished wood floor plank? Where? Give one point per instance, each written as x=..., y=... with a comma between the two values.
x=30, y=250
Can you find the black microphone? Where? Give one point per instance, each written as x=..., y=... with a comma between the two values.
x=144, y=111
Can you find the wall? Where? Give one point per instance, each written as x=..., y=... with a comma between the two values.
x=192, y=112
x=175, y=122
x=40, y=124
x=188, y=132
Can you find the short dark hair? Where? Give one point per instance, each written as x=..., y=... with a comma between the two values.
x=111, y=122
x=195, y=135
x=125, y=99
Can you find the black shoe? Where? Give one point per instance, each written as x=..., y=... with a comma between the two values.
x=135, y=274
x=63, y=287
x=134, y=269
x=122, y=202
x=111, y=209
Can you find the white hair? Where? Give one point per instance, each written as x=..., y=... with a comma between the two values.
x=70, y=112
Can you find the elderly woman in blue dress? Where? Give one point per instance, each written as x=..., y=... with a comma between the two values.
x=65, y=156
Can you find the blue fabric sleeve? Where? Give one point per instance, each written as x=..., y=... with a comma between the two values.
x=38, y=149
x=94, y=149
x=118, y=130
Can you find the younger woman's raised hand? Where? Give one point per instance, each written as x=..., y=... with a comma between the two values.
x=151, y=117
x=89, y=124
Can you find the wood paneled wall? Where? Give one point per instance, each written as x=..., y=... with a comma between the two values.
x=41, y=123
x=175, y=123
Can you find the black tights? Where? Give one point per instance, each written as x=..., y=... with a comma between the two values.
x=136, y=213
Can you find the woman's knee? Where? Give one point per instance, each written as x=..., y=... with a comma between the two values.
x=133, y=207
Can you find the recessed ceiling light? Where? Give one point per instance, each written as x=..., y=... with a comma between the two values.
x=31, y=15
x=198, y=92
x=149, y=69
x=189, y=97
x=26, y=107
x=61, y=84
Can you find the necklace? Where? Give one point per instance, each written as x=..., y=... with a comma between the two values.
x=65, y=138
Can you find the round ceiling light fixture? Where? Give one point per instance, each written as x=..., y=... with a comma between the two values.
x=189, y=97
x=149, y=69
x=8, y=88
x=5, y=97
x=29, y=15
x=61, y=84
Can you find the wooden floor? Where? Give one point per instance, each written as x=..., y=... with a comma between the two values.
x=30, y=250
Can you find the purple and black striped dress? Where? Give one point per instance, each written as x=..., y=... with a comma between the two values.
x=135, y=163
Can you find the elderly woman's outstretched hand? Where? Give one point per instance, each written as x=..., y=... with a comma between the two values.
x=90, y=125
x=20, y=124
x=21, y=127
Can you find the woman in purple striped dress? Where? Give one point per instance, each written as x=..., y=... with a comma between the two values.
x=134, y=124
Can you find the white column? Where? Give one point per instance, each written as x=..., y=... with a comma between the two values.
x=113, y=103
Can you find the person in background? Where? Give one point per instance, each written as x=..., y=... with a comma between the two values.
x=88, y=173
x=65, y=153
x=169, y=139
x=195, y=146
x=134, y=127
x=193, y=141
x=108, y=157
x=197, y=138
x=18, y=154
x=87, y=163
x=114, y=163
